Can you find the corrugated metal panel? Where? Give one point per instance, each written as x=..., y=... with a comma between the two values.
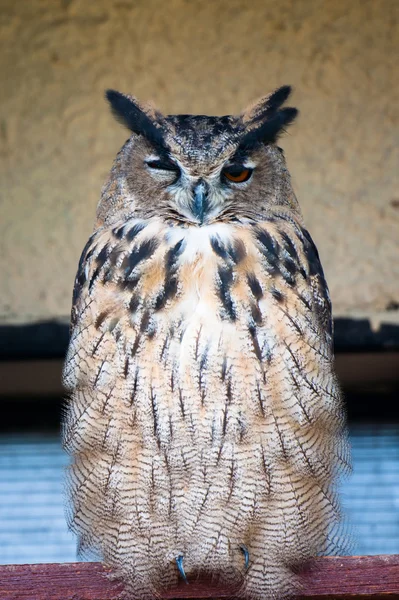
x=371, y=494
x=32, y=523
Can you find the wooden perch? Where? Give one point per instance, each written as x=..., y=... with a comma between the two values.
x=368, y=577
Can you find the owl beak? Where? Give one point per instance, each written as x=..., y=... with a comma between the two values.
x=200, y=200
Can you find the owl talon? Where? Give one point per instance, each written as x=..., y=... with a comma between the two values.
x=179, y=562
x=245, y=552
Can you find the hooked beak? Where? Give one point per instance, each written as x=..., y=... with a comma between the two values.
x=200, y=200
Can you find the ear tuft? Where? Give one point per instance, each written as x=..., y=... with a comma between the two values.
x=266, y=120
x=128, y=111
x=277, y=98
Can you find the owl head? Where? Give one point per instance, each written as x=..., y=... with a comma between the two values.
x=195, y=170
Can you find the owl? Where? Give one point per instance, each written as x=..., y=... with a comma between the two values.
x=204, y=420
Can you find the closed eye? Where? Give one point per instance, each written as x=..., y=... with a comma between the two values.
x=163, y=165
x=237, y=173
x=164, y=170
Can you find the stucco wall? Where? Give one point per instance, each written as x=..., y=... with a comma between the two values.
x=58, y=140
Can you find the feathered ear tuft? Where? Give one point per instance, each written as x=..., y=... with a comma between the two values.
x=265, y=120
x=128, y=111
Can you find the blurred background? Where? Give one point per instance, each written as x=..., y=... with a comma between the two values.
x=57, y=144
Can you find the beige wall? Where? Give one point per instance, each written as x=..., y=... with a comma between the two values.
x=58, y=140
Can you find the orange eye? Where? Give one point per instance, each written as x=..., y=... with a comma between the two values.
x=237, y=174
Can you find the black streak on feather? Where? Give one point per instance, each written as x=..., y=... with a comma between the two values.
x=126, y=368
x=134, y=390
x=136, y=345
x=80, y=279
x=312, y=255
x=142, y=252
x=224, y=368
x=281, y=438
x=202, y=367
x=242, y=427
x=321, y=304
x=79, y=283
x=270, y=249
x=255, y=343
x=202, y=505
x=287, y=275
x=155, y=417
x=235, y=253
x=102, y=256
x=226, y=279
x=134, y=303
x=229, y=398
x=289, y=247
x=181, y=402
x=305, y=302
x=293, y=322
x=118, y=232
x=133, y=231
x=290, y=265
x=100, y=319
x=218, y=247
x=232, y=480
x=173, y=254
x=94, y=277
x=229, y=392
x=266, y=469
x=224, y=425
x=165, y=345
x=170, y=285
x=98, y=372
x=213, y=430
x=220, y=452
x=254, y=286
x=129, y=284
x=279, y=296
x=100, y=339
x=259, y=394
x=169, y=290
x=298, y=388
x=104, y=406
x=256, y=314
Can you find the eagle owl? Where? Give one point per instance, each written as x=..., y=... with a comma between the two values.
x=205, y=422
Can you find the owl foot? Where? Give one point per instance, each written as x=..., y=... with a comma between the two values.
x=245, y=552
x=179, y=562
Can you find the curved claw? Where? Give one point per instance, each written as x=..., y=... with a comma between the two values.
x=179, y=562
x=245, y=552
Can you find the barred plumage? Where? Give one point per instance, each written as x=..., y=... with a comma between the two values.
x=205, y=421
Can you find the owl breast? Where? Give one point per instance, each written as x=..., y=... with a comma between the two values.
x=205, y=420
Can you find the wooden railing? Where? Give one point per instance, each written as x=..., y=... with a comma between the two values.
x=366, y=577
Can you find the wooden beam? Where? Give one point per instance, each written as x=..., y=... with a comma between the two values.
x=32, y=378
x=366, y=577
